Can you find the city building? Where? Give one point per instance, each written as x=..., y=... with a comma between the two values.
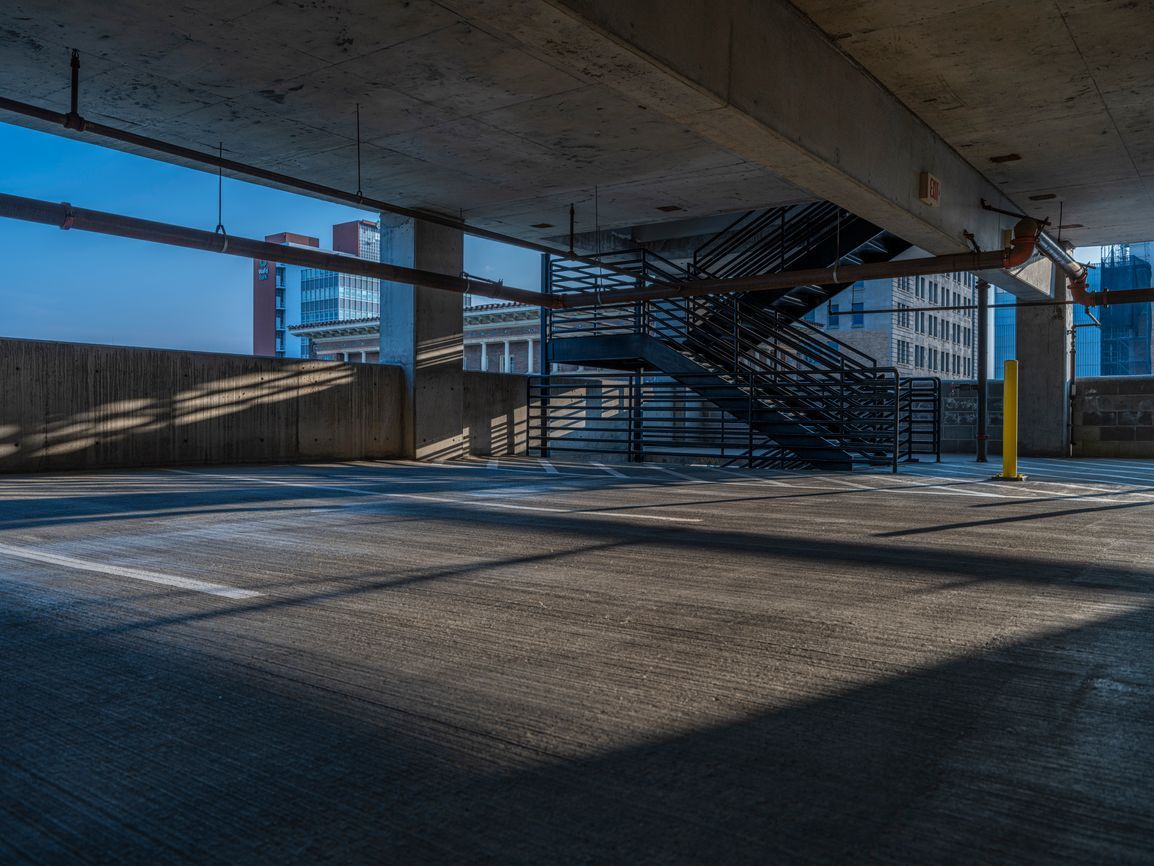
x=500, y=337
x=1127, y=329
x=1121, y=341
x=915, y=340
x=311, y=313
x=1087, y=349
x=287, y=297
x=276, y=300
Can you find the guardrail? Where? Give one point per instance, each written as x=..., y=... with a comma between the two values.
x=795, y=419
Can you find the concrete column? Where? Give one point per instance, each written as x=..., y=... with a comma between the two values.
x=1043, y=351
x=422, y=331
x=506, y=360
x=484, y=356
x=531, y=363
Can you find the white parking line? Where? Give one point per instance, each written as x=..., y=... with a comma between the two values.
x=750, y=476
x=611, y=471
x=132, y=573
x=680, y=475
x=445, y=499
x=548, y=467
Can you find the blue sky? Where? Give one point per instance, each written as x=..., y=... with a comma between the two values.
x=91, y=288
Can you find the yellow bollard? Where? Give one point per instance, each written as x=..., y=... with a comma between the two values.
x=1010, y=425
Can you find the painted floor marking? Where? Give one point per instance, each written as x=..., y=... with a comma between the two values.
x=749, y=476
x=609, y=470
x=120, y=571
x=680, y=475
x=548, y=467
x=445, y=499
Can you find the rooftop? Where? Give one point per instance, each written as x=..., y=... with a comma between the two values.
x=535, y=662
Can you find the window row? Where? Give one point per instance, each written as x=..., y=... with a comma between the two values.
x=934, y=326
x=934, y=360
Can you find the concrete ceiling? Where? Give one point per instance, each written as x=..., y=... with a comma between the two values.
x=1067, y=85
x=462, y=115
x=455, y=118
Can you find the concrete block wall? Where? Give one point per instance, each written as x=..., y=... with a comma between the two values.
x=960, y=417
x=75, y=406
x=1114, y=417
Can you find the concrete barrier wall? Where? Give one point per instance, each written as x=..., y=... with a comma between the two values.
x=75, y=406
x=960, y=417
x=496, y=413
x=1114, y=417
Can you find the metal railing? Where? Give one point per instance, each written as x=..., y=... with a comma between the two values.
x=788, y=420
x=921, y=417
x=773, y=389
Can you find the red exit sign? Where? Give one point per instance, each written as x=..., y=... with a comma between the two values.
x=929, y=189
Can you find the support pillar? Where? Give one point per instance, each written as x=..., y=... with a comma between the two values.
x=982, y=433
x=1044, y=366
x=484, y=357
x=422, y=332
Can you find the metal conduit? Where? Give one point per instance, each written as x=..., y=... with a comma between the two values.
x=75, y=122
x=66, y=216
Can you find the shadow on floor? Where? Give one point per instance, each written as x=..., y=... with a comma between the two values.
x=127, y=751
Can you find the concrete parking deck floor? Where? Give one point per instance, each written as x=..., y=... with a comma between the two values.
x=533, y=662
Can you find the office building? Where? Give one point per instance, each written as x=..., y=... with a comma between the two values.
x=286, y=297
x=916, y=340
x=1123, y=343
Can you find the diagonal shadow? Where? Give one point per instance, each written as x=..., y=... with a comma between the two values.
x=121, y=750
x=1015, y=518
x=359, y=589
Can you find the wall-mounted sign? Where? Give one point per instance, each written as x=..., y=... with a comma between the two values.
x=929, y=189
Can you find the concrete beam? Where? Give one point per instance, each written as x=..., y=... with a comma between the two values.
x=760, y=79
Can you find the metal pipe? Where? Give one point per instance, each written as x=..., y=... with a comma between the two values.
x=73, y=120
x=1076, y=273
x=1020, y=252
x=1060, y=256
x=1078, y=277
x=983, y=371
x=66, y=216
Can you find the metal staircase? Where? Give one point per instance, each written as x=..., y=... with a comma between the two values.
x=741, y=378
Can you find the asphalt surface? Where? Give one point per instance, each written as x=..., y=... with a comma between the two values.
x=540, y=662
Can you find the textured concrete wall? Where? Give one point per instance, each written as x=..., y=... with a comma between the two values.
x=496, y=413
x=74, y=406
x=1114, y=417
